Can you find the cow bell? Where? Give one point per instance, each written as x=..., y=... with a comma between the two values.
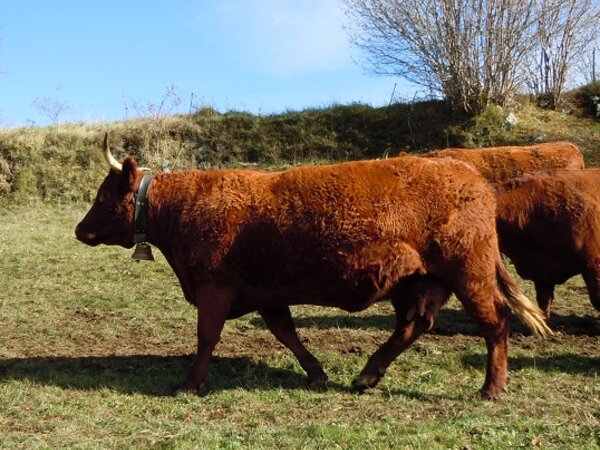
x=143, y=252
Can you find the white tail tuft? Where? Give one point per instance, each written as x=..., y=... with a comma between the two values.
x=528, y=312
x=524, y=309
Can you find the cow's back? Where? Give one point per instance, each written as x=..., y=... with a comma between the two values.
x=564, y=195
x=498, y=164
x=406, y=196
x=386, y=217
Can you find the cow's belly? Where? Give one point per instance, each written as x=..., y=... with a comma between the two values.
x=544, y=264
x=347, y=296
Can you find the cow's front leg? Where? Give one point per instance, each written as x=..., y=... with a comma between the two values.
x=280, y=322
x=213, y=306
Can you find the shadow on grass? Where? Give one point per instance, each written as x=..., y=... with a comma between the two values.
x=576, y=325
x=450, y=322
x=154, y=375
x=565, y=363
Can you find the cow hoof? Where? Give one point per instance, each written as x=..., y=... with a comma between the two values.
x=493, y=392
x=489, y=395
x=202, y=391
x=180, y=392
x=365, y=381
x=318, y=383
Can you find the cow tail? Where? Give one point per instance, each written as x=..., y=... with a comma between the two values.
x=528, y=312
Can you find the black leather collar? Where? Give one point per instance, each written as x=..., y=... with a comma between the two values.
x=141, y=205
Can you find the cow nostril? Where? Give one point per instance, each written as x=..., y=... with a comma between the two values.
x=81, y=233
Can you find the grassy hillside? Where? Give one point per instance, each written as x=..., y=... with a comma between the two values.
x=66, y=166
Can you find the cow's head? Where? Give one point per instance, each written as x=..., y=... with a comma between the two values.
x=110, y=220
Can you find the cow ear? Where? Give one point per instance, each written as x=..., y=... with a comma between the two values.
x=129, y=173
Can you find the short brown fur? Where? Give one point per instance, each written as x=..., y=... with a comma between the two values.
x=498, y=164
x=549, y=226
x=347, y=235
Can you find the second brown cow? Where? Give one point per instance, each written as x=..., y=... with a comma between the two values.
x=549, y=226
x=498, y=164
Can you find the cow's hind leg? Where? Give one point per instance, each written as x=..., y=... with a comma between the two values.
x=544, y=293
x=416, y=305
x=591, y=276
x=484, y=303
x=279, y=320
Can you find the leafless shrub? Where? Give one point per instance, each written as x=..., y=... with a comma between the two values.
x=565, y=30
x=167, y=104
x=157, y=113
x=476, y=52
x=587, y=68
x=468, y=51
x=52, y=108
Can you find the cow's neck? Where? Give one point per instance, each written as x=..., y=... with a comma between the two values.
x=187, y=205
x=169, y=198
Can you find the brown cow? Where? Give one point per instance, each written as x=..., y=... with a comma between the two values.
x=549, y=226
x=498, y=164
x=346, y=235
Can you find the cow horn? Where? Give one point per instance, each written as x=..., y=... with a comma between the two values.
x=110, y=159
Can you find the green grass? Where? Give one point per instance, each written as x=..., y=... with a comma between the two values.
x=92, y=343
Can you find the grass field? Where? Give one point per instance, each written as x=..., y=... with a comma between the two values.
x=92, y=343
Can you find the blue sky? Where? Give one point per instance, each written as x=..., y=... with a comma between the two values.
x=100, y=57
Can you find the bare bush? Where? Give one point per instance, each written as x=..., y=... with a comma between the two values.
x=588, y=66
x=157, y=113
x=565, y=30
x=477, y=52
x=468, y=51
x=52, y=108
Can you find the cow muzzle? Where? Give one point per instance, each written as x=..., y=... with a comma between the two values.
x=87, y=237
